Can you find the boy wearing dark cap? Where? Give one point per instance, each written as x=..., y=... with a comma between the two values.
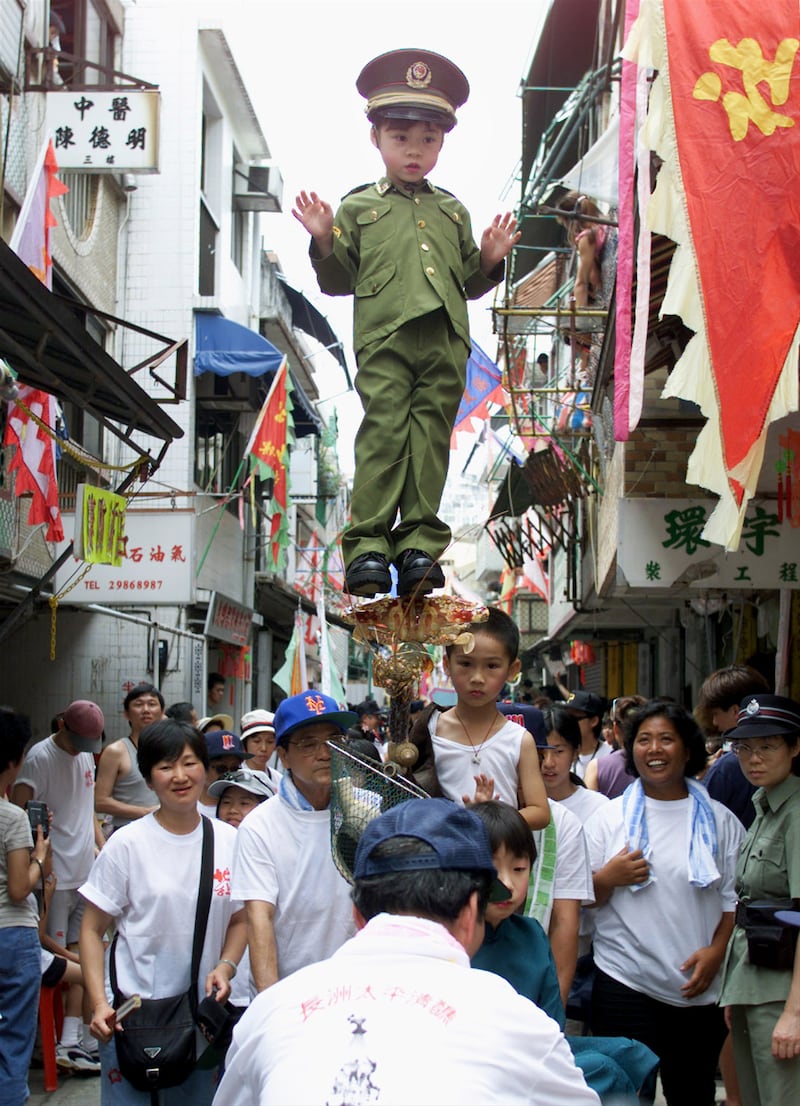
x=298, y=906
x=588, y=708
x=404, y=249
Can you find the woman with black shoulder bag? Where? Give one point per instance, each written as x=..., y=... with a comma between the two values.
x=761, y=985
x=163, y=882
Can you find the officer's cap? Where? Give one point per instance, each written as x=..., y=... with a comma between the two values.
x=413, y=84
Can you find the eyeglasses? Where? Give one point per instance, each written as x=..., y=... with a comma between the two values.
x=241, y=775
x=307, y=746
x=221, y=769
x=763, y=749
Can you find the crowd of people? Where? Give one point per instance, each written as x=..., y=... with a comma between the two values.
x=597, y=860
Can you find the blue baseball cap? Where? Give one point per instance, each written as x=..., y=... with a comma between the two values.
x=459, y=839
x=528, y=716
x=225, y=743
x=306, y=709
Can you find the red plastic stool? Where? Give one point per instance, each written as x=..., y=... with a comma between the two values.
x=51, y=1022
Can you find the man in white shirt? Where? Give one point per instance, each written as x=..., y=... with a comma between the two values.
x=397, y=1014
x=60, y=771
x=298, y=905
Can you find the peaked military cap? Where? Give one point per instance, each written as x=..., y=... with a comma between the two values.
x=413, y=84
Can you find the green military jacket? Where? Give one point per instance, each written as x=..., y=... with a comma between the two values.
x=768, y=868
x=402, y=255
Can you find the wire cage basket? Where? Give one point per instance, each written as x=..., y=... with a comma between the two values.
x=360, y=791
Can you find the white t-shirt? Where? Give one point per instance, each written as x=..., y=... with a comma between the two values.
x=583, y=803
x=147, y=878
x=283, y=857
x=66, y=784
x=398, y=1016
x=585, y=759
x=573, y=872
x=642, y=937
x=498, y=758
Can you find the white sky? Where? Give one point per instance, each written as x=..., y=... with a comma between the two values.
x=299, y=61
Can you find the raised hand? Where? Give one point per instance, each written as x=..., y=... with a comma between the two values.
x=315, y=214
x=498, y=240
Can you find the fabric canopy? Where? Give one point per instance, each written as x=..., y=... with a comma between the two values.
x=224, y=347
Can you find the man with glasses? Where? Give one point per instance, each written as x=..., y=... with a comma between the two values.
x=298, y=906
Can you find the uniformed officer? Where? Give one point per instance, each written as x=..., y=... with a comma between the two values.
x=404, y=249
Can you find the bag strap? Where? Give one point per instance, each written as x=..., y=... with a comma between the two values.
x=200, y=917
x=203, y=905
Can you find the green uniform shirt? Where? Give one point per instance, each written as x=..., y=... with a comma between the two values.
x=402, y=255
x=768, y=868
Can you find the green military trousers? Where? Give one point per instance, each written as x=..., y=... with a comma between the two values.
x=763, y=1080
x=410, y=383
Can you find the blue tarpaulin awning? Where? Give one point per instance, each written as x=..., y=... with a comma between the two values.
x=224, y=347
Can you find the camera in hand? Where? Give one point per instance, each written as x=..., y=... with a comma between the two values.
x=38, y=815
x=217, y=1020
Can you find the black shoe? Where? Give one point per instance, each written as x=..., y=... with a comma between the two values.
x=368, y=575
x=417, y=573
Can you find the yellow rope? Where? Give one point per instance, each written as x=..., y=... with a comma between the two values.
x=79, y=454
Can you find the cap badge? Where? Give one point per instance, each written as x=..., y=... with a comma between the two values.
x=418, y=75
x=752, y=707
x=315, y=704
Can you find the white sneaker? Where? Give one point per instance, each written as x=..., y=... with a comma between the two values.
x=77, y=1058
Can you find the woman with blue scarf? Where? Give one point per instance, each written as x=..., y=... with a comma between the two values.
x=663, y=857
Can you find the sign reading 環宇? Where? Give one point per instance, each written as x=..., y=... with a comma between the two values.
x=99, y=526
x=112, y=132
x=660, y=542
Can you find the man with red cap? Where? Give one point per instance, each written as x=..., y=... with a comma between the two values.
x=404, y=249
x=60, y=771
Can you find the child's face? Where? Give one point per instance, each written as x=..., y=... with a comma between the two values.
x=556, y=761
x=515, y=874
x=235, y=804
x=478, y=677
x=409, y=150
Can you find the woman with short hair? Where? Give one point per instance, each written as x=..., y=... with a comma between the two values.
x=146, y=883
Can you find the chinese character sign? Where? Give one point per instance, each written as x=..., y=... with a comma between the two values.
x=114, y=131
x=661, y=543
x=155, y=556
x=725, y=116
x=99, y=526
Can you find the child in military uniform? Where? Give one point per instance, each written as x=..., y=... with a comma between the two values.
x=404, y=249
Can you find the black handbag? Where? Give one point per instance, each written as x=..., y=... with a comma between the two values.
x=156, y=1047
x=770, y=943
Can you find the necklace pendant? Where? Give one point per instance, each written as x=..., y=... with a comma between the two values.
x=475, y=758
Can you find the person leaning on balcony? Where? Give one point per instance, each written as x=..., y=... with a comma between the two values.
x=588, y=240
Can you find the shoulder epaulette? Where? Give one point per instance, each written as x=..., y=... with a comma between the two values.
x=358, y=188
x=437, y=188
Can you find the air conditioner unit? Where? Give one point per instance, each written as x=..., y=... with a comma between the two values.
x=258, y=188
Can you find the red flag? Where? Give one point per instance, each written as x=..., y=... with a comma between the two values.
x=31, y=238
x=268, y=453
x=731, y=111
x=34, y=459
